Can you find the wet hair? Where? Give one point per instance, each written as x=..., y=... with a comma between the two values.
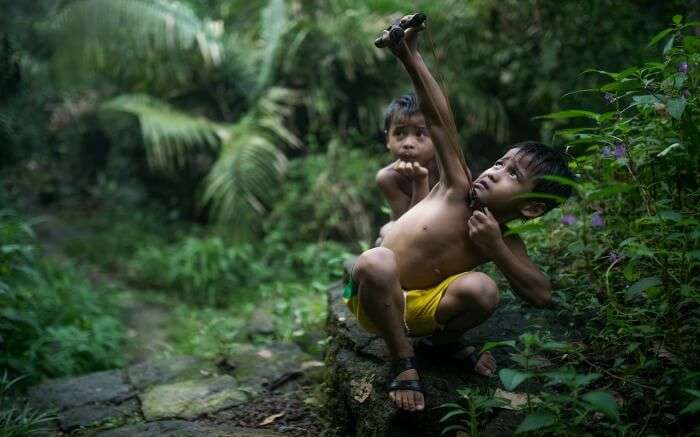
x=546, y=161
x=404, y=106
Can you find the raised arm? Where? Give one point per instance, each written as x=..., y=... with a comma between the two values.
x=433, y=104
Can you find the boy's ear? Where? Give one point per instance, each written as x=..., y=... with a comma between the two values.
x=533, y=209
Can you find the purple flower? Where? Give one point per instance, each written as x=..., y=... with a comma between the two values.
x=614, y=257
x=597, y=220
x=606, y=152
x=609, y=97
x=620, y=150
x=568, y=219
x=683, y=68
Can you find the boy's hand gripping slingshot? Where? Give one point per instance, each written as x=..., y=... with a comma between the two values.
x=397, y=30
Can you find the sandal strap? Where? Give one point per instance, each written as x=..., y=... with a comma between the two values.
x=406, y=363
x=406, y=384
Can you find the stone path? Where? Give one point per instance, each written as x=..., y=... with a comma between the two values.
x=180, y=396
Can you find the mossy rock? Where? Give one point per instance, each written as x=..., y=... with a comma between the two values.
x=191, y=399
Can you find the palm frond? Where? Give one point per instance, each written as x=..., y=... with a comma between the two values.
x=273, y=24
x=250, y=162
x=87, y=28
x=167, y=133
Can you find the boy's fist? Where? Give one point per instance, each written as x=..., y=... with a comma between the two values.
x=401, y=36
x=411, y=170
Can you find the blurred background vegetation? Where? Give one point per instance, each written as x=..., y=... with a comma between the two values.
x=213, y=157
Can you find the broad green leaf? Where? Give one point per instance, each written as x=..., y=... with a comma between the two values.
x=669, y=148
x=692, y=407
x=691, y=43
x=602, y=401
x=535, y=421
x=677, y=19
x=675, y=107
x=511, y=378
x=571, y=113
x=452, y=414
x=646, y=99
x=642, y=285
x=452, y=428
x=623, y=85
x=561, y=180
x=669, y=45
x=659, y=36
x=494, y=344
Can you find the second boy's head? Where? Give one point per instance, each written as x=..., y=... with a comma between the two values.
x=407, y=136
x=519, y=172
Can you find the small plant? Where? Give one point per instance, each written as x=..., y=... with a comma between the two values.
x=472, y=417
x=16, y=421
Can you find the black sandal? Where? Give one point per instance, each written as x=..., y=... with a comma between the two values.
x=400, y=366
x=448, y=351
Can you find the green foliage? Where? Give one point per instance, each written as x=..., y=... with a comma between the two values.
x=51, y=322
x=478, y=408
x=20, y=421
x=624, y=254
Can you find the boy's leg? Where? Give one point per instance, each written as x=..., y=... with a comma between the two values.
x=468, y=301
x=383, y=303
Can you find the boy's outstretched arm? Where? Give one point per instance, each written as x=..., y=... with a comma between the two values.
x=436, y=111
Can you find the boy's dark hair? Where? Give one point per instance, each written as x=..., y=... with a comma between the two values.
x=406, y=106
x=545, y=161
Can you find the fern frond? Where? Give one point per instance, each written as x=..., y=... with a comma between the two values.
x=88, y=28
x=167, y=133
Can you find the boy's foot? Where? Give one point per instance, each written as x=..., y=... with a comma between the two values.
x=406, y=389
x=483, y=364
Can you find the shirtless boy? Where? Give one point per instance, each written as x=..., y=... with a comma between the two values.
x=409, y=178
x=432, y=248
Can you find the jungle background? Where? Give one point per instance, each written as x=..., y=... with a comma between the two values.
x=173, y=172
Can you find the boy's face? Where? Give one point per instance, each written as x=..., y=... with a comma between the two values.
x=498, y=186
x=408, y=139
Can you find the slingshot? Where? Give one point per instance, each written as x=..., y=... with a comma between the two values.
x=397, y=30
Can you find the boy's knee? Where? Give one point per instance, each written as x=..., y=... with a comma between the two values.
x=478, y=289
x=375, y=264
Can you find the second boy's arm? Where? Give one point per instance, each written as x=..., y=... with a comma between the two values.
x=510, y=255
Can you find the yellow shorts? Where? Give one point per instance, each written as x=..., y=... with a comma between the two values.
x=420, y=309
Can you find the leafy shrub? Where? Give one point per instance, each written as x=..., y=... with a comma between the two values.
x=51, y=322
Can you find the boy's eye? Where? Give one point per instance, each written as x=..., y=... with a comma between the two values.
x=498, y=164
x=514, y=175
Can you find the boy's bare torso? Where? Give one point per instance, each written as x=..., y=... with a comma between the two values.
x=431, y=241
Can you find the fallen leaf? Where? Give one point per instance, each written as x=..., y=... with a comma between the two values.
x=514, y=401
x=268, y=420
x=264, y=353
x=311, y=364
x=360, y=390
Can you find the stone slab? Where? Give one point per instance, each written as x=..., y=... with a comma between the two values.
x=191, y=399
x=96, y=414
x=263, y=367
x=182, y=428
x=169, y=370
x=101, y=387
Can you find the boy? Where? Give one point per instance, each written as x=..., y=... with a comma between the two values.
x=432, y=248
x=413, y=173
